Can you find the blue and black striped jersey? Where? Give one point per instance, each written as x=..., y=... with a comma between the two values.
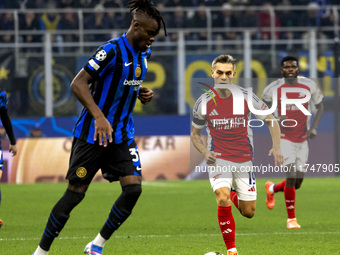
x=118, y=71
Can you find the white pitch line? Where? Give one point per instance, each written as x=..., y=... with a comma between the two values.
x=170, y=236
x=159, y=184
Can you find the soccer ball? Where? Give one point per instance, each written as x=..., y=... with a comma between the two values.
x=101, y=55
x=213, y=253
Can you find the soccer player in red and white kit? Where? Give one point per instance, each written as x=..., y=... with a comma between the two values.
x=294, y=144
x=230, y=146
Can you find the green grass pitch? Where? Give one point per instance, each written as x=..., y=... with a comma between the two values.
x=172, y=217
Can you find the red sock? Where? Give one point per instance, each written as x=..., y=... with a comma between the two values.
x=280, y=186
x=234, y=198
x=227, y=226
x=290, y=201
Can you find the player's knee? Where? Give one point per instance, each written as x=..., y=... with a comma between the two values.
x=298, y=185
x=248, y=212
x=128, y=199
x=132, y=192
x=223, y=201
x=222, y=197
x=78, y=187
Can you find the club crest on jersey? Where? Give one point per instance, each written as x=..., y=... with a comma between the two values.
x=81, y=172
x=138, y=71
x=101, y=55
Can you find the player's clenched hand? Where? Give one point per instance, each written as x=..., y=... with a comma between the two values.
x=210, y=157
x=311, y=133
x=145, y=95
x=13, y=149
x=102, y=129
x=276, y=152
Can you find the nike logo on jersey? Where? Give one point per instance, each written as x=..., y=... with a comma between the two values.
x=127, y=64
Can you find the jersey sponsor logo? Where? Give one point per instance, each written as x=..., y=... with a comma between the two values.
x=127, y=64
x=81, y=172
x=94, y=64
x=132, y=82
x=101, y=55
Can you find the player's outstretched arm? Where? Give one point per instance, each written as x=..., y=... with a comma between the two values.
x=311, y=133
x=145, y=95
x=80, y=89
x=196, y=138
x=275, y=133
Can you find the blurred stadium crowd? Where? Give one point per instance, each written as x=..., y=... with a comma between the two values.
x=226, y=17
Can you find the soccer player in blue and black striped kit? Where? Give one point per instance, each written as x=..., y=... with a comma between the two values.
x=7, y=124
x=104, y=132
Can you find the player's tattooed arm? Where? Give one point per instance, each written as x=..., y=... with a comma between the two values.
x=196, y=138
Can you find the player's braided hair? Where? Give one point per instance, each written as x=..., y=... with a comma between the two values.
x=149, y=8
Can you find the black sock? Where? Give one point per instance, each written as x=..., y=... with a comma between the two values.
x=121, y=209
x=59, y=216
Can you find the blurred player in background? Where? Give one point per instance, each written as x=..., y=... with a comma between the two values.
x=104, y=132
x=230, y=144
x=294, y=144
x=7, y=124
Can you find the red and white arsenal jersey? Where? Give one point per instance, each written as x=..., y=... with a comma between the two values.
x=229, y=135
x=298, y=133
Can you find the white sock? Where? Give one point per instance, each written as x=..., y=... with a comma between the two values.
x=271, y=188
x=232, y=249
x=40, y=251
x=99, y=240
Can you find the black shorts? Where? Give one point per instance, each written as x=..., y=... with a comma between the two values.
x=115, y=160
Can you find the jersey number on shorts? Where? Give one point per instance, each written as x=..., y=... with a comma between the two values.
x=134, y=152
x=252, y=180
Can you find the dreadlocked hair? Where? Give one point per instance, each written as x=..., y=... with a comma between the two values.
x=149, y=8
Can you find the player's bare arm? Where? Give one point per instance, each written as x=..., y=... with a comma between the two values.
x=145, y=95
x=196, y=138
x=311, y=133
x=275, y=133
x=80, y=89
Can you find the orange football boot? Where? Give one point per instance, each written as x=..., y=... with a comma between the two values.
x=270, y=200
x=292, y=224
x=232, y=253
